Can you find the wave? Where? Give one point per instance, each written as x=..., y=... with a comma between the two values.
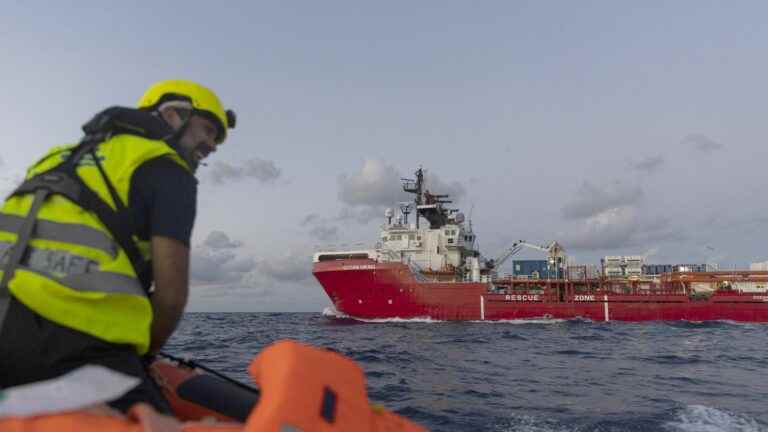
x=714, y=324
x=528, y=423
x=331, y=312
x=700, y=418
x=340, y=315
x=523, y=321
x=398, y=320
x=692, y=418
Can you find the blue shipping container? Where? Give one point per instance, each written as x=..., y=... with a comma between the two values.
x=535, y=269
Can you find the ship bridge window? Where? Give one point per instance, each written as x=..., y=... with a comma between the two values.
x=411, y=236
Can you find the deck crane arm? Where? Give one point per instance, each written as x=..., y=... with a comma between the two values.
x=537, y=247
x=498, y=262
x=554, y=251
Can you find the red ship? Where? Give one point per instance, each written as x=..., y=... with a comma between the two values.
x=436, y=272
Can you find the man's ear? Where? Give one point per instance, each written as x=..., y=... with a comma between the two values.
x=171, y=117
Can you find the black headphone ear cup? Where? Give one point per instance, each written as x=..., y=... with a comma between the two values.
x=231, y=119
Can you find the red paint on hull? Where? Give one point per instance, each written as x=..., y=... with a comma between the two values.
x=366, y=289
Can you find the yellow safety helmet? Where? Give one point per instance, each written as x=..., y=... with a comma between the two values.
x=203, y=100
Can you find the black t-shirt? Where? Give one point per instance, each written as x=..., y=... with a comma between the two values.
x=163, y=200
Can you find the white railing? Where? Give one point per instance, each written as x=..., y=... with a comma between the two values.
x=389, y=255
x=417, y=272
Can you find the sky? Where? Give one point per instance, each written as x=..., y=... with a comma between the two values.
x=614, y=128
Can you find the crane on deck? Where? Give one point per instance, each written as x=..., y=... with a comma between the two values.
x=555, y=255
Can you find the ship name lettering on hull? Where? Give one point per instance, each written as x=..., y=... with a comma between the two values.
x=359, y=267
x=583, y=298
x=763, y=298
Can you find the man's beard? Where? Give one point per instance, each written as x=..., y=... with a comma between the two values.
x=187, y=152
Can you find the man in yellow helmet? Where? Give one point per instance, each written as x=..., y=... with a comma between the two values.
x=94, y=245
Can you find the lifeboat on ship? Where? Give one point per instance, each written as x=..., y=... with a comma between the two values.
x=300, y=388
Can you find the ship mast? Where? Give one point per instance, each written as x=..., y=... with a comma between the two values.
x=415, y=187
x=428, y=205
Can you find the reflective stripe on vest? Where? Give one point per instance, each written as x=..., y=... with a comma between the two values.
x=63, y=232
x=74, y=271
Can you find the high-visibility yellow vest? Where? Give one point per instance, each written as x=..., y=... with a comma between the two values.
x=75, y=273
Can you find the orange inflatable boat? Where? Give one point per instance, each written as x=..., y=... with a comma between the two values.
x=300, y=388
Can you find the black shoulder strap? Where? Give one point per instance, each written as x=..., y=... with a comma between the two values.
x=16, y=254
x=64, y=180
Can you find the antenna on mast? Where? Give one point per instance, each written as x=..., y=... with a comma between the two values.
x=415, y=187
x=405, y=209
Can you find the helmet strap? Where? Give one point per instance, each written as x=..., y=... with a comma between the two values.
x=185, y=114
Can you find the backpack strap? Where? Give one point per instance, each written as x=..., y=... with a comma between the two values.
x=63, y=180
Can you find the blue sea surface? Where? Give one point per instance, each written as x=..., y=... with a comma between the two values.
x=533, y=375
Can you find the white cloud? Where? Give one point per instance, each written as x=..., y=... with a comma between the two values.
x=262, y=170
x=361, y=215
x=220, y=270
x=649, y=164
x=209, y=266
x=310, y=219
x=281, y=282
x=435, y=185
x=220, y=240
x=325, y=233
x=320, y=228
x=217, y=262
x=621, y=228
x=376, y=184
x=612, y=217
x=702, y=143
x=592, y=200
x=295, y=266
x=608, y=229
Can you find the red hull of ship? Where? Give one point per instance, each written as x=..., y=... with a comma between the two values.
x=365, y=289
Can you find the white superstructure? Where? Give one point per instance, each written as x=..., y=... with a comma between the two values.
x=438, y=244
x=433, y=249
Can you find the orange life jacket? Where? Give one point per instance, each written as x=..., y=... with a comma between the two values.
x=302, y=388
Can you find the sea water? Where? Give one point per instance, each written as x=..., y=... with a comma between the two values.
x=529, y=375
